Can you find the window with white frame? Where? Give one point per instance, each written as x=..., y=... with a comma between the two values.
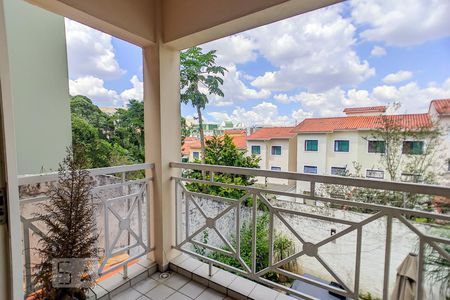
x=256, y=149
x=377, y=174
x=276, y=150
x=310, y=169
x=196, y=155
x=341, y=146
x=376, y=146
x=413, y=147
x=273, y=168
x=341, y=171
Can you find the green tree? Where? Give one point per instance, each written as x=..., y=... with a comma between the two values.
x=222, y=151
x=199, y=71
x=185, y=130
x=69, y=216
x=83, y=107
x=129, y=130
x=86, y=138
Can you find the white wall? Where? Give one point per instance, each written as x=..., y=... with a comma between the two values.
x=268, y=160
x=39, y=85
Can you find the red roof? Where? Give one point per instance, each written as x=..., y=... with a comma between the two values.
x=238, y=141
x=188, y=142
x=367, y=109
x=270, y=133
x=235, y=131
x=410, y=121
x=442, y=106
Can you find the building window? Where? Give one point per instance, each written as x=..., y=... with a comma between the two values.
x=377, y=146
x=341, y=146
x=413, y=147
x=338, y=171
x=377, y=174
x=256, y=150
x=411, y=177
x=311, y=145
x=196, y=155
x=275, y=168
x=310, y=169
x=276, y=150
x=448, y=165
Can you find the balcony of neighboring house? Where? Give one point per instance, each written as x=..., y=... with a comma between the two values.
x=174, y=232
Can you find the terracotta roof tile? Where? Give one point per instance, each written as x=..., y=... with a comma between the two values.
x=270, y=133
x=367, y=109
x=442, y=106
x=235, y=131
x=238, y=141
x=188, y=142
x=409, y=121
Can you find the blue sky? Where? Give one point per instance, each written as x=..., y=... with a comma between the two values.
x=357, y=53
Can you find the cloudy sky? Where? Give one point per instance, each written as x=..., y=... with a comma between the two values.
x=358, y=53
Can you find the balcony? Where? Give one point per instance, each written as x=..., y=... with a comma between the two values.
x=358, y=245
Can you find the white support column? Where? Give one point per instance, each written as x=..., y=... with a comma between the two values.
x=14, y=278
x=162, y=142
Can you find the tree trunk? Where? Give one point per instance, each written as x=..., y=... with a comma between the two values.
x=202, y=134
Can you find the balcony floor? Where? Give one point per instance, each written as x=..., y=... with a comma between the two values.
x=176, y=287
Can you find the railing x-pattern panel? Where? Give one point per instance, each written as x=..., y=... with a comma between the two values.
x=195, y=217
x=121, y=212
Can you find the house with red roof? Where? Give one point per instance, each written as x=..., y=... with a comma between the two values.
x=330, y=146
x=191, y=149
x=276, y=146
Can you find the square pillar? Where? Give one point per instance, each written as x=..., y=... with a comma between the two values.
x=162, y=143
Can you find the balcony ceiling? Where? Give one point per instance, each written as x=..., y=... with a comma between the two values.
x=178, y=23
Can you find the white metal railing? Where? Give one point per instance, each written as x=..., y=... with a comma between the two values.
x=192, y=207
x=122, y=206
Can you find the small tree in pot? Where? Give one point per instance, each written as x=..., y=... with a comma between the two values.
x=69, y=217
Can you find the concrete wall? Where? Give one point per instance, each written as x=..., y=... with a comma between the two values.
x=39, y=86
x=340, y=254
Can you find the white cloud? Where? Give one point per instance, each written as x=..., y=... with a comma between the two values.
x=283, y=98
x=398, y=77
x=402, y=23
x=94, y=89
x=313, y=50
x=136, y=92
x=264, y=114
x=378, y=51
x=414, y=98
x=235, y=90
x=235, y=49
x=90, y=53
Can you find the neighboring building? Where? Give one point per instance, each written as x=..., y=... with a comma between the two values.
x=195, y=149
x=235, y=132
x=37, y=61
x=276, y=146
x=331, y=146
x=440, y=112
x=109, y=110
x=186, y=147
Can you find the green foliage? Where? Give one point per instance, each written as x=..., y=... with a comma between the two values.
x=106, y=140
x=283, y=247
x=222, y=151
x=368, y=296
x=437, y=267
x=199, y=71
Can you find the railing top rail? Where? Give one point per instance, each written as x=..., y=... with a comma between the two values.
x=53, y=176
x=348, y=181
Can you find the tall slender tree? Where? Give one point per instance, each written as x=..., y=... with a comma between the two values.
x=199, y=76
